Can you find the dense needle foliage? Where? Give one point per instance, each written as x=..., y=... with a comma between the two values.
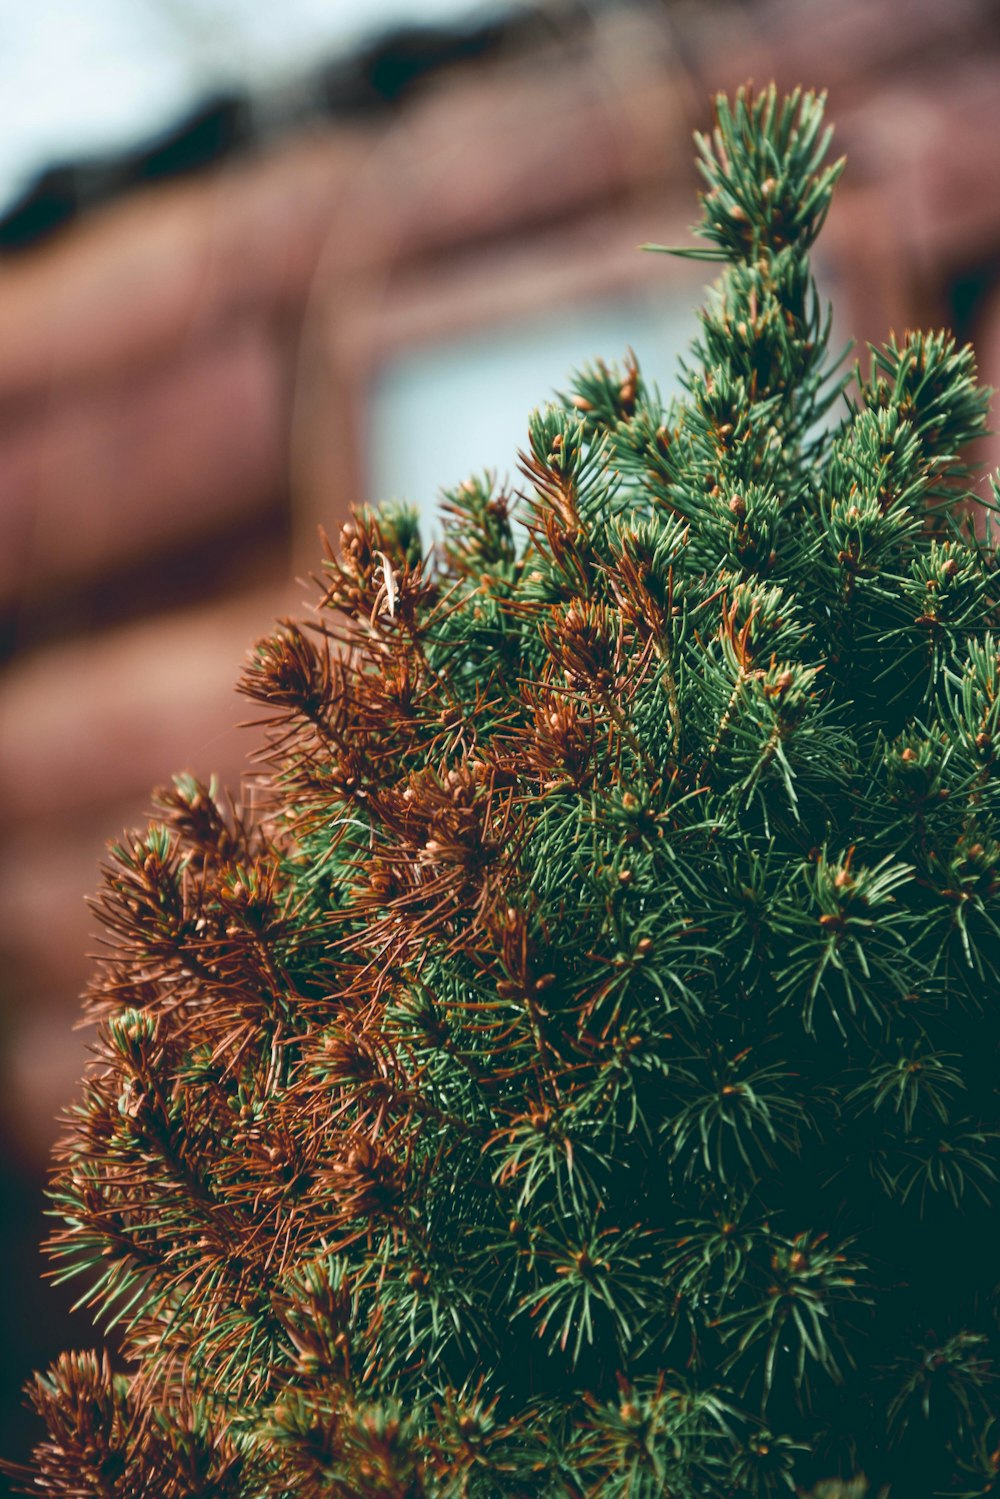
x=578, y=1078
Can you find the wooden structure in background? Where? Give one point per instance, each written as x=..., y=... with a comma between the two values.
x=184, y=378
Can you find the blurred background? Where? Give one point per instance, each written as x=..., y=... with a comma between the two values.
x=259, y=262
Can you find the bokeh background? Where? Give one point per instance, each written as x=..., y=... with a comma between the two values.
x=260, y=262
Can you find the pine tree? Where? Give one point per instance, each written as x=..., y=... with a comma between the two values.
x=579, y=1076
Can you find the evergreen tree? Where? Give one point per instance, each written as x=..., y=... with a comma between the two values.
x=579, y=1079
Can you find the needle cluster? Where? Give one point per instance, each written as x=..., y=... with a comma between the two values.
x=580, y=1078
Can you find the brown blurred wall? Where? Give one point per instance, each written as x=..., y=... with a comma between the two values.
x=184, y=380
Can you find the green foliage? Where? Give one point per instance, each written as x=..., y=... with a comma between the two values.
x=581, y=1081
